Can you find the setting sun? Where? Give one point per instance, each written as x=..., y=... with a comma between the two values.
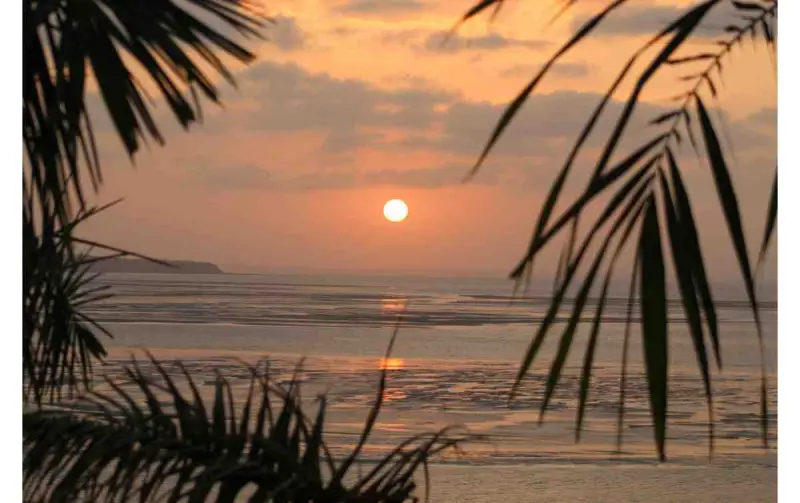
x=519, y=131
x=395, y=210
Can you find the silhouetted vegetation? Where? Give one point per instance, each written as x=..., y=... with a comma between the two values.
x=123, y=448
x=644, y=200
x=122, y=444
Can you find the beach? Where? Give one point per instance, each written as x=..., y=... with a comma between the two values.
x=457, y=353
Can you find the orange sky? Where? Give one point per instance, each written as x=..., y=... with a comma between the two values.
x=355, y=102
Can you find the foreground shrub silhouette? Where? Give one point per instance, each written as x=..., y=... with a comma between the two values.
x=146, y=439
x=643, y=199
x=121, y=449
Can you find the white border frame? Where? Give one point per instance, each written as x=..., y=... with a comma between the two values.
x=788, y=246
x=11, y=251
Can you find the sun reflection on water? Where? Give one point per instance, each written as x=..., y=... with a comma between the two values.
x=393, y=304
x=391, y=364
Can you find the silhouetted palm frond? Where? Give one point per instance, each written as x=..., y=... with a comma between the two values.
x=113, y=43
x=156, y=441
x=68, y=43
x=644, y=180
x=59, y=341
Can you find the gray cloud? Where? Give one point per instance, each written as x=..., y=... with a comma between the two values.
x=378, y=7
x=293, y=100
x=402, y=37
x=545, y=126
x=642, y=19
x=636, y=20
x=242, y=177
x=317, y=181
x=766, y=117
x=571, y=70
x=236, y=177
x=568, y=70
x=441, y=176
x=343, y=31
x=438, y=42
x=250, y=177
x=350, y=114
x=341, y=141
x=548, y=125
x=286, y=34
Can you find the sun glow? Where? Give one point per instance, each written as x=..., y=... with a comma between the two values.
x=391, y=364
x=395, y=210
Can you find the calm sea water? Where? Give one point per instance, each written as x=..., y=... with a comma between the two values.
x=458, y=351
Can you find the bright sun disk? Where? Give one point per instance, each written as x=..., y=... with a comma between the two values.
x=395, y=210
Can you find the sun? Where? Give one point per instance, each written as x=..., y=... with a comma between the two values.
x=395, y=210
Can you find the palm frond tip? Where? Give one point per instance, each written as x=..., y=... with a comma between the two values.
x=656, y=161
x=152, y=438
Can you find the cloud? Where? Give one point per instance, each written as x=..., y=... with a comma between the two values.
x=634, y=20
x=379, y=7
x=402, y=36
x=755, y=135
x=250, y=177
x=236, y=177
x=290, y=99
x=448, y=131
x=443, y=42
x=341, y=141
x=571, y=70
x=766, y=118
x=438, y=42
x=637, y=20
x=286, y=35
x=244, y=177
x=293, y=99
x=546, y=126
x=442, y=176
x=317, y=181
x=351, y=114
x=567, y=70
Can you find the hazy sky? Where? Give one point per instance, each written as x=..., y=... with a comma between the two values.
x=355, y=102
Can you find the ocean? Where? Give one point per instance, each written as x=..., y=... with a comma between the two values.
x=458, y=350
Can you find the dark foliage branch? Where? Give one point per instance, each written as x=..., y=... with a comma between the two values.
x=60, y=341
x=145, y=439
x=67, y=45
x=148, y=440
x=646, y=193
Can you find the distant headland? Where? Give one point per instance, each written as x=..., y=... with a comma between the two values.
x=139, y=266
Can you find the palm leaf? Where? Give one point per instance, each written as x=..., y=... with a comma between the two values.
x=730, y=207
x=66, y=44
x=772, y=217
x=628, y=215
x=602, y=183
x=681, y=29
x=683, y=270
x=682, y=231
x=520, y=100
x=121, y=449
x=634, y=188
x=691, y=246
x=653, y=290
x=373, y=415
x=60, y=341
x=588, y=361
x=729, y=201
x=163, y=38
x=625, y=347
